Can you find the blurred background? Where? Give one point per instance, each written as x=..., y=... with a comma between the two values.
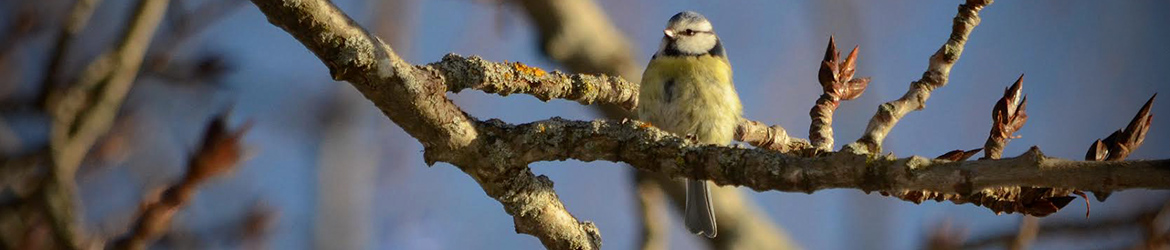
x=327, y=170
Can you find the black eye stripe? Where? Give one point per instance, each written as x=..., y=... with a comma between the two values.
x=691, y=32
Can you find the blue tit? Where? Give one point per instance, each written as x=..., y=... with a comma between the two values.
x=687, y=90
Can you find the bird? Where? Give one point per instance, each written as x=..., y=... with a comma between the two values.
x=687, y=90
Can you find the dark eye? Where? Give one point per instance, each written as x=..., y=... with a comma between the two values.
x=689, y=32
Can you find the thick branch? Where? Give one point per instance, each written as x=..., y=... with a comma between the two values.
x=935, y=76
x=652, y=150
x=415, y=99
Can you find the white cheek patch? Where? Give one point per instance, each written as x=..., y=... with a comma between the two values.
x=698, y=44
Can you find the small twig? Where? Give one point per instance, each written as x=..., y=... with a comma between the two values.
x=651, y=203
x=1029, y=228
x=86, y=111
x=220, y=151
x=507, y=78
x=836, y=78
x=76, y=21
x=936, y=76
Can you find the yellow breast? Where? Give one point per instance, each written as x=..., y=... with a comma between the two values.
x=691, y=95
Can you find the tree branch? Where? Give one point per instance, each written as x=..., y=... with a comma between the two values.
x=655, y=231
x=935, y=76
x=415, y=99
x=86, y=111
x=579, y=36
x=836, y=78
x=77, y=19
x=653, y=150
x=475, y=73
x=496, y=154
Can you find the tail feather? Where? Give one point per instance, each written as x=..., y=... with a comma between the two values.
x=699, y=215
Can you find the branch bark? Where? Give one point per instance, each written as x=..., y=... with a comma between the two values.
x=415, y=99
x=935, y=76
x=652, y=150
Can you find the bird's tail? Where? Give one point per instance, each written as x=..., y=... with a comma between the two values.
x=699, y=215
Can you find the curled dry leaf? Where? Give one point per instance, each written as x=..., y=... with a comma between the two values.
x=959, y=154
x=1097, y=151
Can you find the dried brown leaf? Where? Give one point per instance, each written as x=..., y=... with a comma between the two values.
x=959, y=155
x=1097, y=151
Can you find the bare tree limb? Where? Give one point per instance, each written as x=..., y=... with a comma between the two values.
x=414, y=98
x=936, y=76
x=496, y=154
x=649, y=149
x=86, y=111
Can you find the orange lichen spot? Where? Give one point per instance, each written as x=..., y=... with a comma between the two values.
x=527, y=70
x=645, y=125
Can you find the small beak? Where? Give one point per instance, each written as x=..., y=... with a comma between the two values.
x=668, y=32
